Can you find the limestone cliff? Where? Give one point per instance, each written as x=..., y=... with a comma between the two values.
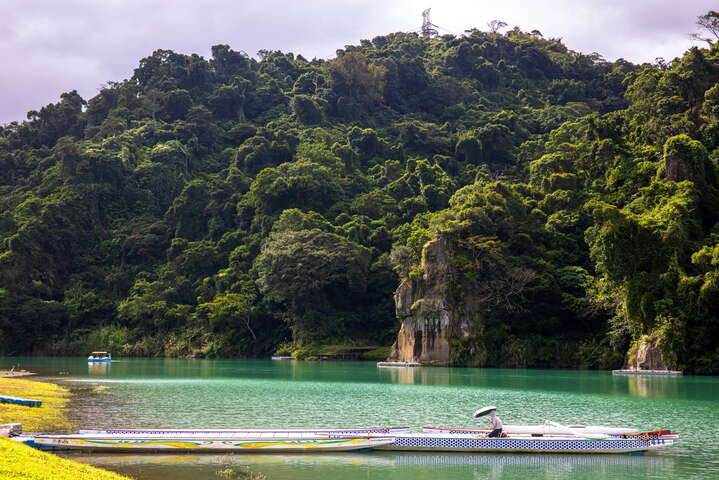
x=431, y=316
x=646, y=355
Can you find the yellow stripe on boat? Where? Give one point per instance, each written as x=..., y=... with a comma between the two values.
x=145, y=443
x=303, y=443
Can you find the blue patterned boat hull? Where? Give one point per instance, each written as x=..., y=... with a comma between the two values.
x=470, y=443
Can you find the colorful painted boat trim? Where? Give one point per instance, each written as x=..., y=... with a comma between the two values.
x=232, y=431
x=236, y=445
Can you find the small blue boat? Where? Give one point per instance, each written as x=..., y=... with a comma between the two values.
x=96, y=357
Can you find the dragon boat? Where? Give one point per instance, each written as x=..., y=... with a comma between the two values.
x=551, y=437
x=462, y=442
x=224, y=431
x=548, y=428
x=213, y=441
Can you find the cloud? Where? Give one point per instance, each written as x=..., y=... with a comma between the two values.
x=49, y=47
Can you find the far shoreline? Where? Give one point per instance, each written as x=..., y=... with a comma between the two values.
x=14, y=374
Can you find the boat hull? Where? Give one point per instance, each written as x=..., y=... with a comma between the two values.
x=536, y=430
x=471, y=443
x=232, y=431
x=197, y=445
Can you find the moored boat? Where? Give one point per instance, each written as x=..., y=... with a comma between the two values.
x=224, y=431
x=433, y=442
x=549, y=428
x=235, y=442
x=96, y=357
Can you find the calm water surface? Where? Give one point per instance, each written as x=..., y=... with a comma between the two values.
x=225, y=393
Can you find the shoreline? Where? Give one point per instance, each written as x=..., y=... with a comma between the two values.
x=14, y=374
x=22, y=462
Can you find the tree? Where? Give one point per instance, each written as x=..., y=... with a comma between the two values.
x=311, y=271
x=226, y=102
x=229, y=311
x=402, y=259
x=306, y=110
x=300, y=184
x=352, y=75
x=710, y=24
x=176, y=104
x=227, y=62
x=496, y=25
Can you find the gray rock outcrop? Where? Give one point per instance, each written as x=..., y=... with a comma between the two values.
x=431, y=314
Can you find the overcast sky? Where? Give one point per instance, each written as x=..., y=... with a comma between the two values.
x=52, y=46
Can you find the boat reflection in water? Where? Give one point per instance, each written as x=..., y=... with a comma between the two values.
x=98, y=368
x=408, y=465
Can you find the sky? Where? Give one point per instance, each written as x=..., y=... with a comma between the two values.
x=49, y=47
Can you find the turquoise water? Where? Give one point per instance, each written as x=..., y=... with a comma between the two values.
x=258, y=393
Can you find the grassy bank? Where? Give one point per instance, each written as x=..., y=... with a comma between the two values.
x=50, y=417
x=335, y=352
x=20, y=462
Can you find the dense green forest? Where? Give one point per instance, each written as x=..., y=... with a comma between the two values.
x=236, y=206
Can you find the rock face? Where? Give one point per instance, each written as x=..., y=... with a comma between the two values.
x=648, y=356
x=678, y=170
x=431, y=316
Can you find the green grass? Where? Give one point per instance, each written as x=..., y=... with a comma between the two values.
x=50, y=417
x=313, y=352
x=378, y=353
x=20, y=462
x=335, y=349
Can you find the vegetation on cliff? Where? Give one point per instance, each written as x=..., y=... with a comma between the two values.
x=226, y=206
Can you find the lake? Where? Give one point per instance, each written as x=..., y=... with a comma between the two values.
x=136, y=393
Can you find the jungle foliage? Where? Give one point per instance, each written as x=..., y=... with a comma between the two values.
x=226, y=206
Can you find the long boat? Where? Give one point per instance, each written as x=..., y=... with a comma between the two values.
x=438, y=442
x=202, y=431
x=558, y=439
x=203, y=441
x=549, y=428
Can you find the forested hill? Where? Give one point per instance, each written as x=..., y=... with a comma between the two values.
x=227, y=206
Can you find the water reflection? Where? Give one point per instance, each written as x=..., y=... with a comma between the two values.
x=413, y=466
x=410, y=375
x=98, y=368
x=652, y=386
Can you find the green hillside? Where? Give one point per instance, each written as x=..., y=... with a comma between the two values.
x=227, y=206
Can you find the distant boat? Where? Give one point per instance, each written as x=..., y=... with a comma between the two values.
x=99, y=357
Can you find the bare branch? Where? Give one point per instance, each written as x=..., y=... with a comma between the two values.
x=709, y=23
x=496, y=25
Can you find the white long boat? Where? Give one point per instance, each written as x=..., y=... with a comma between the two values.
x=549, y=428
x=205, y=441
x=453, y=442
x=223, y=431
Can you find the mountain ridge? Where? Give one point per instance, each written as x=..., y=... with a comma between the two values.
x=226, y=207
